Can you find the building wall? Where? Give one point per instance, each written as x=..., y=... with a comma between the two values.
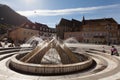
x=76, y=35
x=101, y=31
x=60, y=31
x=67, y=26
x=119, y=33
x=22, y=34
x=28, y=30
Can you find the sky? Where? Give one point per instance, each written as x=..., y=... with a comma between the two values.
x=50, y=12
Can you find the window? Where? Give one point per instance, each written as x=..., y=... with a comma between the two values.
x=33, y=27
x=43, y=29
x=49, y=30
x=40, y=28
x=27, y=26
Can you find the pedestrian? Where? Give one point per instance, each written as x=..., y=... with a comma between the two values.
x=114, y=51
x=103, y=49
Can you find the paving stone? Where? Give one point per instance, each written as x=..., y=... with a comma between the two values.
x=7, y=74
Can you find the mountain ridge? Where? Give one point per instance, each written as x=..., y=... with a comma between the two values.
x=9, y=16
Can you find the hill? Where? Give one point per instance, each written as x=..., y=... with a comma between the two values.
x=9, y=16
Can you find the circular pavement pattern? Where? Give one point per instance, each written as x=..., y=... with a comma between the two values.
x=107, y=66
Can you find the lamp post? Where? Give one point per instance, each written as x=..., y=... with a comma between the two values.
x=108, y=28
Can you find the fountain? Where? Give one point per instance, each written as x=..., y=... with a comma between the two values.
x=71, y=40
x=50, y=57
x=31, y=42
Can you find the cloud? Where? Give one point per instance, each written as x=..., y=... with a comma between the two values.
x=64, y=11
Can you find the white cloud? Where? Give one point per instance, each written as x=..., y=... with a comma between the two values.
x=64, y=11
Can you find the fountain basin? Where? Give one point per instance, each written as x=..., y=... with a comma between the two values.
x=32, y=68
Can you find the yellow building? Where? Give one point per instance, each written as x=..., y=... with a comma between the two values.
x=22, y=34
x=27, y=30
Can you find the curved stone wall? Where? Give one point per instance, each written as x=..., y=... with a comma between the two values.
x=49, y=69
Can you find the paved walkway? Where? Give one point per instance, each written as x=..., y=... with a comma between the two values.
x=111, y=72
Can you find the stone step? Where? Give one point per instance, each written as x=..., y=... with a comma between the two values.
x=110, y=70
x=13, y=50
x=9, y=48
x=8, y=51
x=10, y=54
x=6, y=55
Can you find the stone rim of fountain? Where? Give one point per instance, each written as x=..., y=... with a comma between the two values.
x=49, y=69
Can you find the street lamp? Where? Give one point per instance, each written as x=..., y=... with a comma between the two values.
x=108, y=28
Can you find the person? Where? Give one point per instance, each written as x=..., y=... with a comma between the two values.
x=103, y=49
x=114, y=51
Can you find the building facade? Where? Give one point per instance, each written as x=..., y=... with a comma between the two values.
x=119, y=33
x=76, y=35
x=28, y=30
x=67, y=26
x=101, y=31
